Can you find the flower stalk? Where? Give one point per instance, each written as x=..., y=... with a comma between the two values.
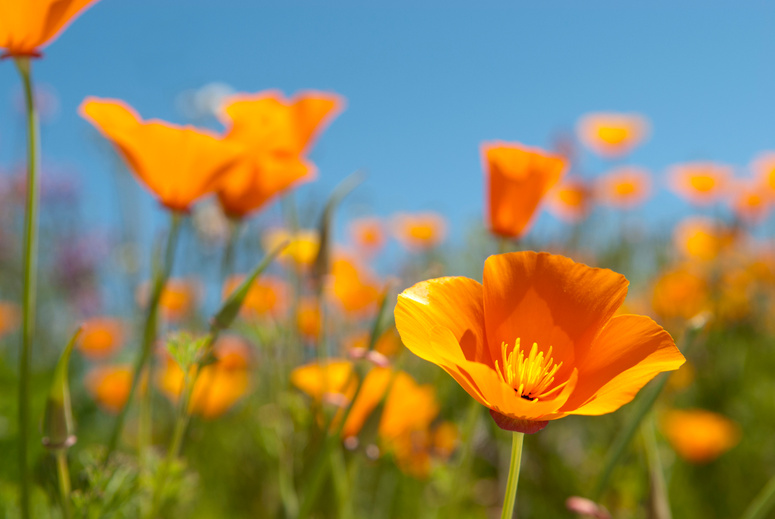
x=510, y=499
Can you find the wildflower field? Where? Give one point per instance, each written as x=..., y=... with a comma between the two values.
x=273, y=349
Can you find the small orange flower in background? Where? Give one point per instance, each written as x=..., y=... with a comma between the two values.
x=354, y=288
x=388, y=344
x=570, y=200
x=109, y=386
x=517, y=179
x=612, y=134
x=101, y=337
x=27, y=25
x=179, y=164
x=334, y=380
x=267, y=296
x=178, y=299
x=680, y=293
x=700, y=436
x=219, y=386
x=419, y=231
x=537, y=340
x=751, y=202
x=302, y=248
x=700, y=183
x=368, y=235
x=763, y=167
x=701, y=238
x=276, y=132
x=308, y=319
x=624, y=188
x=10, y=316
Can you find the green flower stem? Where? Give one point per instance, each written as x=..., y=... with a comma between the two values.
x=510, y=498
x=762, y=503
x=149, y=331
x=64, y=481
x=30, y=281
x=659, y=498
x=227, y=263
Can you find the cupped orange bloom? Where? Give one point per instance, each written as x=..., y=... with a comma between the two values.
x=700, y=436
x=612, y=134
x=302, y=249
x=701, y=238
x=624, y=188
x=267, y=296
x=101, y=337
x=751, y=202
x=179, y=164
x=680, y=293
x=419, y=231
x=10, y=316
x=219, y=385
x=29, y=25
x=517, y=179
x=570, y=200
x=109, y=386
x=277, y=132
x=367, y=234
x=537, y=340
x=700, y=183
x=353, y=287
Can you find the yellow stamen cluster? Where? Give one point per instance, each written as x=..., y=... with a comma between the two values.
x=531, y=376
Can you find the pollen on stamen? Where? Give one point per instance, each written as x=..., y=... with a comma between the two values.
x=531, y=376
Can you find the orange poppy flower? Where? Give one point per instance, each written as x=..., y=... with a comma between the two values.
x=334, y=380
x=268, y=296
x=624, y=188
x=701, y=238
x=388, y=344
x=701, y=183
x=177, y=299
x=763, y=167
x=612, y=134
x=109, y=386
x=419, y=231
x=517, y=180
x=29, y=25
x=308, y=319
x=368, y=235
x=353, y=287
x=9, y=317
x=570, y=200
x=680, y=294
x=750, y=202
x=537, y=340
x=302, y=249
x=277, y=132
x=101, y=337
x=219, y=386
x=700, y=436
x=178, y=164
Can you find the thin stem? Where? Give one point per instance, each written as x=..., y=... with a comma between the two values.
x=64, y=481
x=659, y=497
x=227, y=262
x=763, y=503
x=511, y=485
x=149, y=331
x=30, y=282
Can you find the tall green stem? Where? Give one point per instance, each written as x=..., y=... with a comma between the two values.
x=160, y=277
x=763, y=503
x=64, y=481
x=510, y=498
x=227, y=262
x=30, y=282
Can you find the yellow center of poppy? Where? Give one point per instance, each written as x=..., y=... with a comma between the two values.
x=531, y=376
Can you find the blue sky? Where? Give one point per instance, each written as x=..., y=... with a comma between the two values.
x=426, y=82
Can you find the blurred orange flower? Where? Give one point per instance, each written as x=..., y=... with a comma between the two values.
x=109, y=386
x=101, y=337
x=701, y=183
x=612, y=134
x=352, y=286
x=178, y=164
x=267, y=296
x=277, y=132
x=333, y=380
x=624, y=188
x=368, y=235
x=701, y=238
x=700, y=436
x=388, y=344
x=177, y=299
x=763, y=167
x=517, y=179
x=218, y=386
x=308, y=319
x=419, y=231
x=10, y=316
x=537, y=340
x=30, y=25
x=302, y=248
x=751, y=202
x=570, y=200
x=680, y=294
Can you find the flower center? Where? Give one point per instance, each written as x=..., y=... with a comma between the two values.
x=531, y=376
